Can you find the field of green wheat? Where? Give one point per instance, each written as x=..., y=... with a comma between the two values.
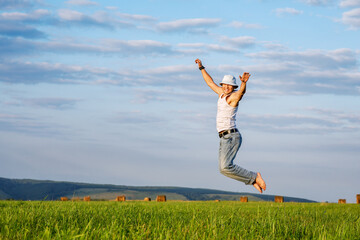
x=177, y=220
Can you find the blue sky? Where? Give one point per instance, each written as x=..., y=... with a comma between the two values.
x=108, y=92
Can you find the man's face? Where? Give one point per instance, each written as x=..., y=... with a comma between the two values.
x=227, y=88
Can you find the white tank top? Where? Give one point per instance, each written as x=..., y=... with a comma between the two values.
x=226, y=115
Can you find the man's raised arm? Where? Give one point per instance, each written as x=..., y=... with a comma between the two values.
x=208, y=79
x=237, y=96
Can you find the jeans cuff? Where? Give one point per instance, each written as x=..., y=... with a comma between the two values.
x=252, y=179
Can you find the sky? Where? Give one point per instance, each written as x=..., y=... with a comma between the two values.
x=108, y=92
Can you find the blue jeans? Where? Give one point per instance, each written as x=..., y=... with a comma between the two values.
x=229, y=146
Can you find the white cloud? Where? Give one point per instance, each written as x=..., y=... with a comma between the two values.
x=352, y=18
x=317, y=2
x=308, y=72
x=10, y=4
x=136, y=17
x=291, y=11
x=19, y=16
x=32, y=73
x=169, y=76
x=101, y=19
x=196, y=48
x=112, y=46
x=51, y=102
x=106, y=46
x=70, y=15
x=142, y=47
x=19, y=24
x=185, y=24
x=223, y=49
x=237, y=24
x=315, y=122
x=82, y=2
x=192, y=45
x=350, y=3
x=168, y=70
x=242, y=41
x=112, y=8
x=332, y=59
x=274, y=46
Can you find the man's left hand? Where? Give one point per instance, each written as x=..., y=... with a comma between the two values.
x=245, y=77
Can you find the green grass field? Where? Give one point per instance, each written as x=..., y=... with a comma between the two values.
x=177, y=220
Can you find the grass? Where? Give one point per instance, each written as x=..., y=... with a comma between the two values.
x=177, y=220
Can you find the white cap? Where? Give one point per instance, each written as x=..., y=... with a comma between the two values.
x=229, y=80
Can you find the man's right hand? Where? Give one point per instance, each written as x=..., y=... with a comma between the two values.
x=198, y=61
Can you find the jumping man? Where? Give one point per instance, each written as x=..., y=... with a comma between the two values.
x=230, y=137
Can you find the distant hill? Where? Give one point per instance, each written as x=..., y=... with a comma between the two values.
x=28, y=189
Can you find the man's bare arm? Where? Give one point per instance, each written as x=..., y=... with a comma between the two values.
x=208, y=79
x=237, y=96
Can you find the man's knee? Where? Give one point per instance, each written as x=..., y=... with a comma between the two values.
x=224, y=169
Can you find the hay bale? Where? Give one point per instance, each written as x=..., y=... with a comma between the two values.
x=161, y=198
x=121, y=198
x=217, y=200
x=87, y=199
x=64, y=199
x=147, y=199
x=279, y=199
x=342, y=201
x=244, y=199
x=358, y=199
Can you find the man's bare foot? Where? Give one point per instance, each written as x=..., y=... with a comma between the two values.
x=260, y=182
x=257, y=187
